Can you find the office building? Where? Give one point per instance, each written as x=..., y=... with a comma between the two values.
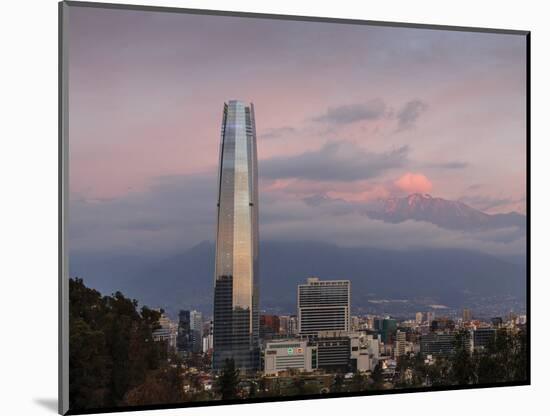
x=196, y=328
x=167, y=332
x=269, y=326
x=208, y=337
x=365, y=351
x=400, y=344
x=418, y=318
x=334, y=351
x=466, y=315
x=288, y=354
x=183, y=339
x=388, y=327
x=437, y=344
x=483, y=337
x=441, y=324
x=323, y=305
x=292, y=325
x=236, y=291
x=283, y=324
x=288, y=325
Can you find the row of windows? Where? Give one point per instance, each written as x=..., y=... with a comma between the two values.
x=271, y=346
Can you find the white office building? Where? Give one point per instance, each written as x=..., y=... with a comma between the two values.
x=365, y=350
x=288, y=354
x=323, y=305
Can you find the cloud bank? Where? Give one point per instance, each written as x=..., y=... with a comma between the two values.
x=335, y=161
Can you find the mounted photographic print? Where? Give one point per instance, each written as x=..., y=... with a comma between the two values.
x=264, y=207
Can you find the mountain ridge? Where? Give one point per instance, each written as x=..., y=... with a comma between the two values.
x=453, y=215
x=447, y=276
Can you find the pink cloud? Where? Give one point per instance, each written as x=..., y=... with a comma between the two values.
x=414, y=182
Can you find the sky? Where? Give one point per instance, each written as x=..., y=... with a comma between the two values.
x=345, y=115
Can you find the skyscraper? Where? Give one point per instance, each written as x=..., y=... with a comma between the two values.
x=236, y=291
x=388, y=329
x=183, y=340
x=323, y=305
x=195, y=326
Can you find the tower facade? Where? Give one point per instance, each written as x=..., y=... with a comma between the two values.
x=183, y=341
x=236, y=290
x=323, y=305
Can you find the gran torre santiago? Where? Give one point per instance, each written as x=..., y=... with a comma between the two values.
x=236, y=290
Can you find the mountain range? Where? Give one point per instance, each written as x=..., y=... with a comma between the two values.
x=431, y=275
x=452, y=215
x=437, y=276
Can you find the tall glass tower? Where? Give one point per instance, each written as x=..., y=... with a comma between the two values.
x=236, y=291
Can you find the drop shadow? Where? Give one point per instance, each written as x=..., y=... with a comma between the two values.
x=49, y=404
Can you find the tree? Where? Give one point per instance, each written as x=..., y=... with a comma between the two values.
x=338, y=383
x=521, y=365
x=358, y=382
x=87, y=383
x=505, y=358
x=299, y=385
x=253, y=389
x=228, y=380
x=262, y=385
x=111, y=348
x=463, y=367
x=377, y=377
x=438, y=372
x=160, y=386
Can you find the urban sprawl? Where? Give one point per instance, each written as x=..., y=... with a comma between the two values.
x=322, y=341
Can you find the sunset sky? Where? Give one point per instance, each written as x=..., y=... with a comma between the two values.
x=347, y=114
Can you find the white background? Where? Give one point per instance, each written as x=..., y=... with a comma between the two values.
x=28, y=185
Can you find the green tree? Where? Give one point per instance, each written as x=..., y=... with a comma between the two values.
x=338, y=383
x=463, y=367
x=262, y=386
x=377, y=377
x=299, y=385
x=253, y=389
x=521, y=365
x=438, y=372
x=111, y=348
x=405, y=364
x=159, y=387
x=228, y=380
x=358, y=382
x=504, y=359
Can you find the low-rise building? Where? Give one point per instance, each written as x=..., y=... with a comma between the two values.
x=288, y=354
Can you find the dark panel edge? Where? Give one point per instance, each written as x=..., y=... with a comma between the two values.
x=63, y=178
x=166, y=9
